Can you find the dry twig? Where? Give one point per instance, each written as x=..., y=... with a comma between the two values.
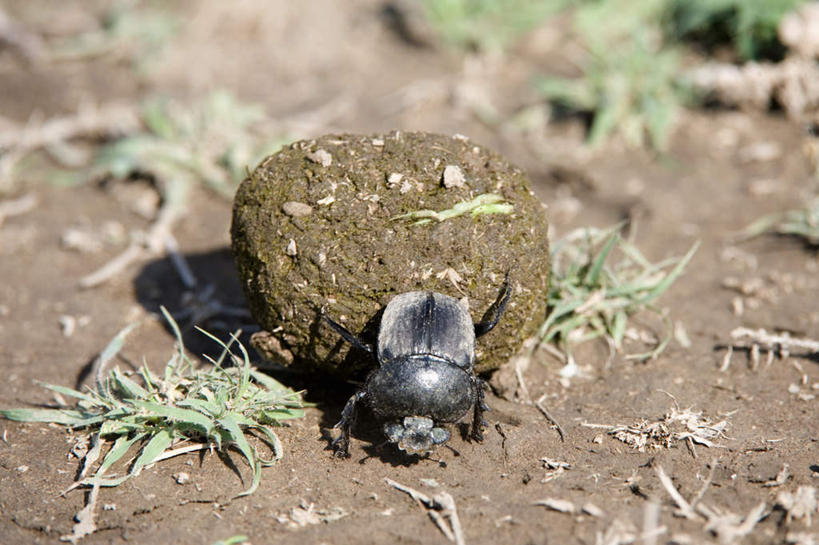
x=727, y=526
x=90, y=120
x=441, y=509
x=550, y=418
x=771, y=342
x=17, y=207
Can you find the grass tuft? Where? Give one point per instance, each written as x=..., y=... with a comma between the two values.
x=211, y=142
x=183, y=409
x=802, y=223
x=591, y=298
x=749, y=26
x=487, y=25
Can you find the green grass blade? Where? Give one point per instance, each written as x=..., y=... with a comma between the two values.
x=234, y=433
x=152, y=450
x=128, y=387
x=111, y=351
x=180, y=347
x=64, y=390
x=180, y=416
x=275, y=444
x=669, y=279
x=65, y=417
x=118, y=450
x=214, y=410
x=593, y=275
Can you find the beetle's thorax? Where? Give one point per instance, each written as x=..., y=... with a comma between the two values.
x=427, y=324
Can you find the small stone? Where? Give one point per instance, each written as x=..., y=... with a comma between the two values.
x=68, y=324
x=182, y=478
x=297, y=209
x=432, y=483
x=109, y=507
x=453, y=177
x=394, y=179
x=22, y=469
x=321, y=157
x=291, y=250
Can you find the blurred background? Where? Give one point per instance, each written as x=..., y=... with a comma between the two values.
x=126, y=127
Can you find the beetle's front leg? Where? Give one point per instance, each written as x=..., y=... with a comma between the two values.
x=477, y=416
x=341, y=445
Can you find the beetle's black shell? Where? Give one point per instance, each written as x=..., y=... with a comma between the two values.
x=420, y=323
x=420, y=386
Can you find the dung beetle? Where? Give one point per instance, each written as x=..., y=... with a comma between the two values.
x=425, y=374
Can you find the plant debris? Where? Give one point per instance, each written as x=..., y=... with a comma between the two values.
x=676, y=425
x=306, y=514
x=487, y=203
x=727, y=526
x=441, y=509
x=799, y=505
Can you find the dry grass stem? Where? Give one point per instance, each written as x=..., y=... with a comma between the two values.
x=651, y=523
x=780, y=478
x=17, y=207
x=550, y=418
x=441, y=509
x=561, y=506
x=684, y=509
x=800, y=505
x=90, y=120
x=759, y=339
x=727, y=526
x=26, y=43
x=85, y=518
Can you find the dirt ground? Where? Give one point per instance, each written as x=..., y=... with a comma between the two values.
x=341, y=65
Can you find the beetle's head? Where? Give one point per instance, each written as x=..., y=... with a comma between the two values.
x=416, y=435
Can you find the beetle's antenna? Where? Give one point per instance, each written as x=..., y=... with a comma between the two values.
x=484, y=327
x=349, y=337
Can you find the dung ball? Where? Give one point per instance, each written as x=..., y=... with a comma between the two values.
x=346, y=222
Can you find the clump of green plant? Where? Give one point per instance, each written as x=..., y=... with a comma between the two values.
x=592, y=298
x=802, y=223
x=176, y=146
x=124, y=31
x=750, y=26
x=181, y=410
x=630, y=90
x=487, y=25
x=212, y=142
x=630, y=84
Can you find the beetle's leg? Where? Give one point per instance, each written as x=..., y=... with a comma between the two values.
x=477, y=416
x=482, y=328
x=342, y=444
x=349, y=337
